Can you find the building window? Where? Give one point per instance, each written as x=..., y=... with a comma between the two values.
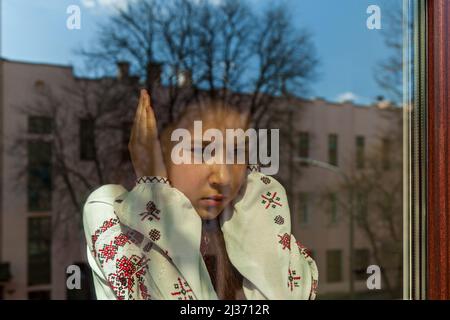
x=39, y=295
x=360, y=144
x=39, y=250
x=39, y=175
x=333, y=208
x=87, y=139
x=333, y=149
x=303, y=150
x=362, y=261
x=40, y=125
x=303, y=205
x=334, y=266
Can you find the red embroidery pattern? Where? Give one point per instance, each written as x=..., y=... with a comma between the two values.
x=292, y=279
x=183, y=290
x=154, y=234
x=121, y=240
x=140, y=274
x=109, y=251
x=303, y=250
x=265, y=180
x=279, y=220
x=313, y=292
x=151, y=213
x=120, y=285
x=125, y=266
x=105, y=226
x=271, y=200
x=285, y=241
x=128, y=271
x=144, y=291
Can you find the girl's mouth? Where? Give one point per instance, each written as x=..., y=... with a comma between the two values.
x=213, y=201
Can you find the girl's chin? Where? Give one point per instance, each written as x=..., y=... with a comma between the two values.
x=210, y=213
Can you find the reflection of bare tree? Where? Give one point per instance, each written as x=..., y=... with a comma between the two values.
x=219, y=50
x=99, y=103
x=384, y=229
x=377, y=199
x=181, y=50
x=389, y=73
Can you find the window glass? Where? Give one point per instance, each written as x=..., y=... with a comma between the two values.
x=39, y=175
x=314, y=93
x=39, y=250
x=40, y=124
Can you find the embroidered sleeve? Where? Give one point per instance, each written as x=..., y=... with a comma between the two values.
x=166, y=218
x=260, y=244
x=114, y=251
x=153, y=208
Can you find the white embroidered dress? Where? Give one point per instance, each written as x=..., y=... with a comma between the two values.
x=145, y=243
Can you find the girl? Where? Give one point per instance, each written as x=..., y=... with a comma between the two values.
x=162, y=239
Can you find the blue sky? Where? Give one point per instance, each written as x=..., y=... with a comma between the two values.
x=35, y=31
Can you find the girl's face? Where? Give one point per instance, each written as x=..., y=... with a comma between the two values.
x=210, y=186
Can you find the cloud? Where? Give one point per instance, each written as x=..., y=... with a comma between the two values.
x=88, y=3
x=106, y=4
x=347, y=96
x=122, y=4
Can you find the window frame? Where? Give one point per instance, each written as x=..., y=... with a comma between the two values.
x=435, y=185
x=414, y=149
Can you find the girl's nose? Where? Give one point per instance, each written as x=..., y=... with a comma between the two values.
x=220, y=175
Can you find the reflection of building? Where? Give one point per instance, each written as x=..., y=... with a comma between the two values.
x=28, y=250
x=36, y=246
x=348, y=137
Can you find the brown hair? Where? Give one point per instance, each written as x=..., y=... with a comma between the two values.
x=226, y=279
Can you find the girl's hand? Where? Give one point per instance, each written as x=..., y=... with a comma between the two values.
x=144, y=146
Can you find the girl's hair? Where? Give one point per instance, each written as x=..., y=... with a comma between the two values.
x=227, y=281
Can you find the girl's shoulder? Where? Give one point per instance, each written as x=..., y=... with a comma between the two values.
x=98, y=209
x=106, y=193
